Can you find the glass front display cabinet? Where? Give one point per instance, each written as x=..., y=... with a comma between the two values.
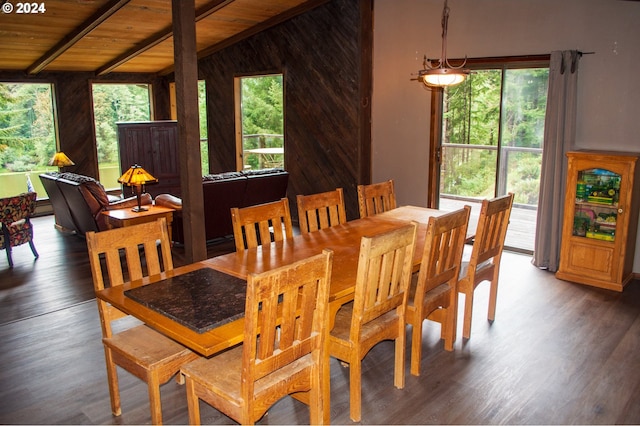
x=600, y=219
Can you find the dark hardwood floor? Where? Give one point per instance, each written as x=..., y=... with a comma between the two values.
x=558, y=353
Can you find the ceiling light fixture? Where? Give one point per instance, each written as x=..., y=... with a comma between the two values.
x=439, y=72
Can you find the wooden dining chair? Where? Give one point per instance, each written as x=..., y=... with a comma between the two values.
x=433, y=294
x=376, y=198
x=284, y=347
x=377, y=311
x=141, y=351
x=482, y=262
x=319, y=211
x=255, y=225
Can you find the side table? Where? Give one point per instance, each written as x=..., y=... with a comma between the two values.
x=125, y=217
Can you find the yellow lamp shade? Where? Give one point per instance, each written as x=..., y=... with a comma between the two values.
x=59, y=159
x=135, y=176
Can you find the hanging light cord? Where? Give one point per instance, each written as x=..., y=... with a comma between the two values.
x=443, y=61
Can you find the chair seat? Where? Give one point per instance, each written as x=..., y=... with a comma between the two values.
x=342, y=327
x=466, y=257
x=438, y=297
x=147, y=346
x=207, y=372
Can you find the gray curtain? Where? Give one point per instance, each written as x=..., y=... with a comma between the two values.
x=559, y=138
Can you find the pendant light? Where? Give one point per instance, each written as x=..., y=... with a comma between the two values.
x=439, y=72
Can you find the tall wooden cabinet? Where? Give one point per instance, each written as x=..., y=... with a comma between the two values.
x=154, y=146
x=600, y=219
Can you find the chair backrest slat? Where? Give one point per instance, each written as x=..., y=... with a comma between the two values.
x=255, y=225
x=376, y=198
x=320, y=211
x=491, y=230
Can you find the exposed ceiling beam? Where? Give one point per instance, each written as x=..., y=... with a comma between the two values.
x=159, y=37
x=73, y=37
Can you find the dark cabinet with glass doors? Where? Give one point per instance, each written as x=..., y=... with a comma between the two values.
x=600, y=219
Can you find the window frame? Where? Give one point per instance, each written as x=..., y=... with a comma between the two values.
x=437, y=97
x=35, y=183
x=238, y=114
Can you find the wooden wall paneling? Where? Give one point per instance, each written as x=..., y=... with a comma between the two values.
x=220, y=116
x=161, y=102
x=323, y=97
x=75, y=122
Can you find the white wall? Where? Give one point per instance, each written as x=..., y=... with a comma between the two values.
x=404, y=30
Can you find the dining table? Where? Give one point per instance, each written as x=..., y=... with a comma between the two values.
x=343, y=239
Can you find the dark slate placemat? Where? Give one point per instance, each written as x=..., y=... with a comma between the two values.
x=201, y=300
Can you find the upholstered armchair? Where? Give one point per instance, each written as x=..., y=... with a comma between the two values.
x=15, y=214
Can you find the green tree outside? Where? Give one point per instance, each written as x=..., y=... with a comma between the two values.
x=27, y=135
x=113, y=103
x=262, y=115
x=494, y=112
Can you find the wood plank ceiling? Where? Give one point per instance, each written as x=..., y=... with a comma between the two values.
x=131, y=36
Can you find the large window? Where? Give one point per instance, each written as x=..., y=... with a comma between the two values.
x=113, y=103
x=493, y=126
x=492, y=141
x=260, y=116
x=27, y=136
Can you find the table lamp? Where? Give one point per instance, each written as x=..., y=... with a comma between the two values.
x=136, y=176
x=61, y=161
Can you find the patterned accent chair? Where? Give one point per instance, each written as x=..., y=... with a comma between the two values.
x=15, y=214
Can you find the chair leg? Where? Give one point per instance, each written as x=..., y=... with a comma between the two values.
x=355, y=390
x=452, y=319
x=8, y=249
x=398, y=374
x=493, y=297
x=112, y=378
x=155, y=403
x=193, y=403
x=315, y=400
x=416, y=347
x=33, y=249
x=449, y=328
x=180, y=378
x=468, y=311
